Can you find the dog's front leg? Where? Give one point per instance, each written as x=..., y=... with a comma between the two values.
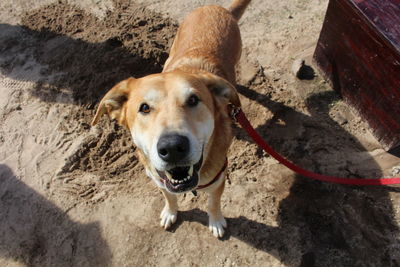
x=170, y=211
x=216, y=221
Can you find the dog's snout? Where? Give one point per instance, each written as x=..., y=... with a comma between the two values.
x=173, y=147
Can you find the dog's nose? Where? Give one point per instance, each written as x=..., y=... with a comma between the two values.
x=173, y=147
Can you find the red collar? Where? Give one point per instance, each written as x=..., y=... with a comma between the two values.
x=215, y=178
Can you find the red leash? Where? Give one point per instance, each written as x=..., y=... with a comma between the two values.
x=240, y=117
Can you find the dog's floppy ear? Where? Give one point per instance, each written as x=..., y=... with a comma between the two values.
x=221, y=88
x=114, y=103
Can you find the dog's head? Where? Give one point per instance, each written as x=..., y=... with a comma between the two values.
x=171, y=117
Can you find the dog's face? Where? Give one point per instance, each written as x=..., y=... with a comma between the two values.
x=171, y=117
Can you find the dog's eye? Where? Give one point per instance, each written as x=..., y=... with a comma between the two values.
x=193, y=100
x=144, y=108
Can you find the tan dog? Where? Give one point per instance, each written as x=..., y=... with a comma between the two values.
x=179, y=118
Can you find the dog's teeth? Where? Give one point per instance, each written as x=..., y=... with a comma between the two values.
x=168, y=175
x=191, y=171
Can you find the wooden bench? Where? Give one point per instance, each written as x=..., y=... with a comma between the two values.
x=359, y=53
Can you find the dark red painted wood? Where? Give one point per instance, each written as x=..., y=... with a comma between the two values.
x=359, y=53
x=384, y=15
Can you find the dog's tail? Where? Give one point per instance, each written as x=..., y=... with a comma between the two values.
x=237, y=8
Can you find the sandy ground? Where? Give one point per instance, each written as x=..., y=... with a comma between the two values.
x=72, y=195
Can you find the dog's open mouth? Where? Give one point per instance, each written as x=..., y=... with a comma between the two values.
x=181, y=179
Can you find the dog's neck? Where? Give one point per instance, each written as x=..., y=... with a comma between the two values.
x=198, y=65
x=217, y=148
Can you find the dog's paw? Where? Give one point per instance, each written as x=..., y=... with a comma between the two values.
x=217, y=226
x=168, y=218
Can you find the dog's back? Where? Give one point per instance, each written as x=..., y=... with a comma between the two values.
x=209, y=40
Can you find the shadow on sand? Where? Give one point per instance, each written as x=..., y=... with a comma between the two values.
x=35, y=232
x=75, y=57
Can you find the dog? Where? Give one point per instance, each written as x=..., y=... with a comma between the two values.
x=179, y=119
